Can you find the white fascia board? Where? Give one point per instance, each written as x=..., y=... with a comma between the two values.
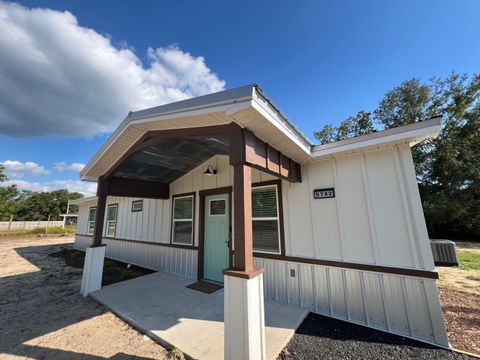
x=191, y=112
x=233, y=105
x=411, y=134
x=82, y=200
x=274, y=120
x=118, y=131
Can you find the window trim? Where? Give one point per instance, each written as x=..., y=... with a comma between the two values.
x=281, y=236
x=210, y=207
x=108, y=221
x=193, y=195
x=137, y=202
x=91, y=221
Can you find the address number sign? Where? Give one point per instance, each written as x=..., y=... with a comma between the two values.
x=324, y=193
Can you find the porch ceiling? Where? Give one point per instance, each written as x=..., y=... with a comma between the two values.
x=171, y=158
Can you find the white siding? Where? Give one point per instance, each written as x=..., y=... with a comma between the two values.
x=403, y=305
x=181, y=262
x=375, y=218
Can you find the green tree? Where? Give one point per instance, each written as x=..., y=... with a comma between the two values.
x=39, y=205
x=448, y=167
x=8, y=197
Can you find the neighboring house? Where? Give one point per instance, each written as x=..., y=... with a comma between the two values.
x=225, y=181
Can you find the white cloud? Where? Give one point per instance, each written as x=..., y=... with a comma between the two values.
x=14, y=168
x=84, y=187
x=63, y=166
x=57, y=77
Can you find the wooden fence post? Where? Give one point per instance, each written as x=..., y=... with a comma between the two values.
x=46, y=226
x=10, y=223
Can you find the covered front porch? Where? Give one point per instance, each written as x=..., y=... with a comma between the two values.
x=163, y=307
x=215, y=222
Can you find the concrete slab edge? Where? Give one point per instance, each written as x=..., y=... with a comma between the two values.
x=305, y=314
x=165, y=344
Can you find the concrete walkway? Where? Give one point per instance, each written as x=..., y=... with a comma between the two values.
x=160, y=305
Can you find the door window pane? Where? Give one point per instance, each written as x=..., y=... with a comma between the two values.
x=217, y=207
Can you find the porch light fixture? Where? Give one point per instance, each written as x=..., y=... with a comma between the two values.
x=210, y=171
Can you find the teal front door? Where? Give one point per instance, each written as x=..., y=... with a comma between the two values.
x=216, y=237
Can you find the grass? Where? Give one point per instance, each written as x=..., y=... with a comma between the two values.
x=469, y=260
x=174, y=353
x=465, y=277
x=39, y=231
x=128, y=274
x=108, y=264
x=79, y=254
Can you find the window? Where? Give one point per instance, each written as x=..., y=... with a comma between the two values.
x=218, y=207
x=137, y=205
x=182, y=220
x=265, y=219
x=112, y=212
x=91, y=220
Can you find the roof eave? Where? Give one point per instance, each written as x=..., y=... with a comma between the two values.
x=410, y=134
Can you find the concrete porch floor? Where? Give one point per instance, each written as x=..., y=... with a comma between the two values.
x=160, y=305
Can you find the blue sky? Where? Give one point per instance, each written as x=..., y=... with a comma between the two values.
x=319, y=62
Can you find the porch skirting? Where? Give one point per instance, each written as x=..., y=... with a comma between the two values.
x=172, y=260
x=403, y=305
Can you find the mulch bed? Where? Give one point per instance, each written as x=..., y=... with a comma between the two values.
x=461, y=311
x=320, y=337
x=113, y=271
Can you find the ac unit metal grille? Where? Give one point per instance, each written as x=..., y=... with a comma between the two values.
x=444, y=252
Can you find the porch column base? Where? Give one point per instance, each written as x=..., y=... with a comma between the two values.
x=92, y=269
x=244, y=315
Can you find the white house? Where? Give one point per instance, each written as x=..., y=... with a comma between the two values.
x=224, y=188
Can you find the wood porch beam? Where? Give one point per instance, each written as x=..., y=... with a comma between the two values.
x=117, y=186
x=247, y=148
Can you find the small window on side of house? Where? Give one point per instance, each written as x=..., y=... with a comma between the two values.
x=91, y=220
x=137, y=205
x=112, y=212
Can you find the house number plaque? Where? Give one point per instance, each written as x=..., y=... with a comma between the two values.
x=324, y=193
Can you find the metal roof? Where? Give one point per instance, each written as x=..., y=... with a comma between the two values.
x=249, y=107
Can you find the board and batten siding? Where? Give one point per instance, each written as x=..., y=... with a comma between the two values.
x=375, y=218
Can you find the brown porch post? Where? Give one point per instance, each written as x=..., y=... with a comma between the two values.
x=244, y=314
x=242, y=199
x=99, y=219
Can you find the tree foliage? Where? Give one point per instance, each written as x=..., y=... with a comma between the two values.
x=448, y=167
x=30, y=205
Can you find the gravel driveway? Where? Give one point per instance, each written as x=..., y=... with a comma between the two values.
x=43, y=316
x=320, y=337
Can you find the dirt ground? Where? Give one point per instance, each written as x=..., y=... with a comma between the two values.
x=455, y=278
x=43, y=316
x=461, y=311
x=460, y=297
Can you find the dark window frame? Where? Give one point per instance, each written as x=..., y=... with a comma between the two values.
x=91, y=221
x=281, y=237
x=137, y=202
x=193, y=195
x=107, y=221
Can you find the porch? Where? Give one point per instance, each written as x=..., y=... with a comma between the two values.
x=162, y=306
x=169, y=146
